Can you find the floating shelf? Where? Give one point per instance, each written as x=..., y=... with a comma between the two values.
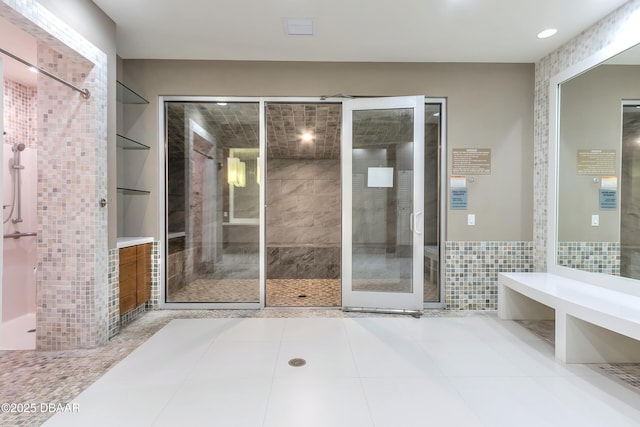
x=128, y=96
x=133, y=191
x=130, y=144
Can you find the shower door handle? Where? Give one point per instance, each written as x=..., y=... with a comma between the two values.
x=415, y=217
x=411, y=222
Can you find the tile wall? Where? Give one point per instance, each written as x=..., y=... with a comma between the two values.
x=73, y=259
x=596, y=257
x=471, y=271
x=20, y=113
x=303, y=219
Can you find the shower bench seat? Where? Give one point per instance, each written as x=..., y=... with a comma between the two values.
x=593, y=324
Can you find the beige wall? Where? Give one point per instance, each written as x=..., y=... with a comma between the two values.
x=94, y=25
x=489, y=106
x=590, y=118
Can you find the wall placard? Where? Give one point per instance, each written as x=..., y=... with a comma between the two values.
x=596, y=162
x=608, y=200
x=458, y=198
x=471, y=161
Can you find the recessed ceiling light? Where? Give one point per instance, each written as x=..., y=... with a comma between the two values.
x=306, y=137
x=547, y=33
x=298, y=26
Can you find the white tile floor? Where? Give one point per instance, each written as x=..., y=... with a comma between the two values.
x=469, y=371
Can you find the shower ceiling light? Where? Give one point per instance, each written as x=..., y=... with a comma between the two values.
x=306, y=137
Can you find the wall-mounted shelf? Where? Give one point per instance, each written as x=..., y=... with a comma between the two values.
x=130, y=144
x=128, y=96
x=133, y=191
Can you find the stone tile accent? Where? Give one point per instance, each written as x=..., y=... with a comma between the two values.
x=114, y=296
x=471, y=271
x=596, y=257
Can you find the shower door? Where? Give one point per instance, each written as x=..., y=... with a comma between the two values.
x=383, y=200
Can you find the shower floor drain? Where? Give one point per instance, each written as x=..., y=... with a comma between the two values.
x=302, y=296
x=296, y=363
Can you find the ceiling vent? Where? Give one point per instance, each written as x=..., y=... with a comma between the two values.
x=298, y=26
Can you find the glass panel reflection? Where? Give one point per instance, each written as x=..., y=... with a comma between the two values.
x=212, y=202
x=432, y=135
x=382, y=200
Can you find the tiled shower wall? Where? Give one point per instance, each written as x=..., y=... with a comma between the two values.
x=72, y=276
x=20, y=113
x=303, y=219
x=623, y=21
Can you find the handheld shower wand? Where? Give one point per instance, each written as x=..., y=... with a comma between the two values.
x=17, y=148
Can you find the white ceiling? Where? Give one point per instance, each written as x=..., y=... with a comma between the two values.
x=350, y=30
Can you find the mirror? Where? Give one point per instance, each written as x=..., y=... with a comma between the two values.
x=598, y=169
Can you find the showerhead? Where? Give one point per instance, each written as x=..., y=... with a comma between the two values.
x=18, y=146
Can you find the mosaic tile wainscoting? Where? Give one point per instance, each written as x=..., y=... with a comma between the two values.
x=596, y=257
x=471, y=271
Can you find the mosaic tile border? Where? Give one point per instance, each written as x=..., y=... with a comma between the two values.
x=596, y=257
x=471, y=271
x=589, y=42
x=114, y=295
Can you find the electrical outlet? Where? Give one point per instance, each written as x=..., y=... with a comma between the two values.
x=595, y=220
x=471, y=219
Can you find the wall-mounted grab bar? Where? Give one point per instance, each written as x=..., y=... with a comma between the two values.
x=19, y=234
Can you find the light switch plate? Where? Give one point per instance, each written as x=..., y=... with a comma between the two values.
x=595, y=220
x=471, y=219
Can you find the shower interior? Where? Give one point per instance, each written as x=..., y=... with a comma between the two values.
x=303, y=216
x=19, y=180
x=19, y=247
x=213, y=203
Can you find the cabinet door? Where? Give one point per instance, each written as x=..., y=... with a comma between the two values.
x=143, y=286
x=128, y=279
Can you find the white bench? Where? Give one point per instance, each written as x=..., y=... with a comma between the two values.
x=593, y=324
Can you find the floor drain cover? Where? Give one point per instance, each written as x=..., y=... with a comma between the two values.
x=296, y=363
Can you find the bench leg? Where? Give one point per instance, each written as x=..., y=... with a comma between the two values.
x=513, y=305
x=578, y=341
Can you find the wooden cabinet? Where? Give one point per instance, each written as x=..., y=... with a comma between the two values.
x=135, y=276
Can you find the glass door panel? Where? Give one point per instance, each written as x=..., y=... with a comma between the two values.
x=383, y=217
x=213, y=202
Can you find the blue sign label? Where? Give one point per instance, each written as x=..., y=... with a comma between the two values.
x=608, y=200
x=458, y=198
